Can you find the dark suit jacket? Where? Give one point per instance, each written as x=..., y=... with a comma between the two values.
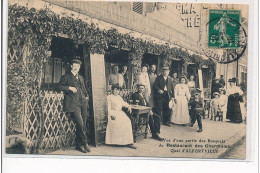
x=72, y=101
x=159, y=85
x=136, y=96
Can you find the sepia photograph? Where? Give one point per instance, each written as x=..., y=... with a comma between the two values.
x=126, y=79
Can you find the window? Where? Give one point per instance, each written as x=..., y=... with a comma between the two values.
x=138, y=7
x=62, y=51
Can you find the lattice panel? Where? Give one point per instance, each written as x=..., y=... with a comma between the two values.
x=32, y=117
x=58, y=128
x=126, y=94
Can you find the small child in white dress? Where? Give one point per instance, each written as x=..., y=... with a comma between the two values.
x=214, y=106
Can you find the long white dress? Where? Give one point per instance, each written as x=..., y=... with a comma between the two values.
x=180, y=113
x=119, y=131
x=144, y=79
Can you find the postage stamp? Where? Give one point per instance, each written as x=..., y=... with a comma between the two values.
x=223, y=31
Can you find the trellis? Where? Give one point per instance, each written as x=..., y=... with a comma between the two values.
x=46, y=126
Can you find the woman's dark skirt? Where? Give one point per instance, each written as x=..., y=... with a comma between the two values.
x=233, y=108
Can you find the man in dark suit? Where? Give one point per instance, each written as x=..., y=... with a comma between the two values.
x=163, y=88
x=222, y=80
x=215, y=86
x=75, y=102
x=154, y=119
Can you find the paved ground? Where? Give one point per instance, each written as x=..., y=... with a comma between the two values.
x=180, y=141
x=238, y=152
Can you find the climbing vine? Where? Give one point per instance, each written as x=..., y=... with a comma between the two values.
x=30, y=32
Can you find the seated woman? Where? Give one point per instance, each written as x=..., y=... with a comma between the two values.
x=119, y=127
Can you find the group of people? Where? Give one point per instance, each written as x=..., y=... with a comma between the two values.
x=162, y=89
x=156, y=92
x=118, y=77
x=169, y=98
x=226, y=104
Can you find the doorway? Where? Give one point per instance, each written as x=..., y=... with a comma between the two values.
x=176, y=66
x=120, y=58
x=193, y=70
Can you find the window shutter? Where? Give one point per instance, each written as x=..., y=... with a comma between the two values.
x=138, y=7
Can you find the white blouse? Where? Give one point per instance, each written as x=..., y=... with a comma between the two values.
x=233, y=90
x=144, y=79
x=191, y=84
x=115, y=104
x=182, y=90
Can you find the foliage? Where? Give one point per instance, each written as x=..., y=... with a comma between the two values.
x=29, y=38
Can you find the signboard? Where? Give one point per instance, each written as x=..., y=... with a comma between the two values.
x=99, y=96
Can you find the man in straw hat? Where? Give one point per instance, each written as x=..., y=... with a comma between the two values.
x=75, y=102
x=154, y=119
x=163, y=89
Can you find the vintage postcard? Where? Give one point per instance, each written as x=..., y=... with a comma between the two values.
x=131, y=79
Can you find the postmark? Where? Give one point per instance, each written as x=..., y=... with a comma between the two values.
x=225, y=33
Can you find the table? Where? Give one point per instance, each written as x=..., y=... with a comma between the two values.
x=140, y=119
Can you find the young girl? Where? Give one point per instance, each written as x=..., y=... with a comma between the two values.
x=214, y=105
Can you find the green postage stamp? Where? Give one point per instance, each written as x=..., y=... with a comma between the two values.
x=223, y=31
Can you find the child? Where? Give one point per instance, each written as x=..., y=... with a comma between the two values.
x=214, y=106
x=223, y=102
x=197, y=109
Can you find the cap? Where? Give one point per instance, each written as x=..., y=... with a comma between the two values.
x=76, y=61
x=232, y=80
x=166, y=68
x=198, y=90
x=140, y=84
x=215, y=93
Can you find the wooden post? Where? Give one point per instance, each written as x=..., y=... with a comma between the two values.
x=201, y=82
x=99, y=96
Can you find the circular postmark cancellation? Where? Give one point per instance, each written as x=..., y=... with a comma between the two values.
x=226, y=33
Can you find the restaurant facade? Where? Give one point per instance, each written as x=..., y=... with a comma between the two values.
x=43, y=37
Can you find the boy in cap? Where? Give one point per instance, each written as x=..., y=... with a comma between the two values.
x=75, y=102
x=197, y=109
